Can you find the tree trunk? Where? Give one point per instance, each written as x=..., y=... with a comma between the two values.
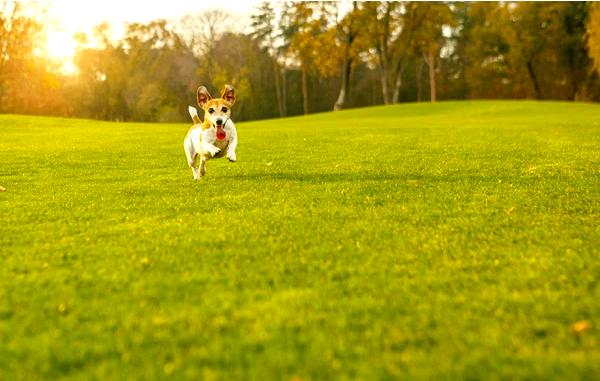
x=278, y=87
x=398, y=82
x=8, y=31
x=384, y=74
x=382, y=68
x=345, y=88
x=347, y=65
x=419, y=75
x=382, y=50
x=536, y=85
x=574, y=77
x=305, y=89
x=284, y=90
x=431, y=64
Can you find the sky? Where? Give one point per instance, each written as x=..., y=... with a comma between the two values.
x=67, y=17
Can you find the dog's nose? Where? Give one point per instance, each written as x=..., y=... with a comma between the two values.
x=219, y=122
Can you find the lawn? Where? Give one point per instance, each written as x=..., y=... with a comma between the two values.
x=459, y=240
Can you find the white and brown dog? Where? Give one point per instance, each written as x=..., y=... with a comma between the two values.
x=214, y=137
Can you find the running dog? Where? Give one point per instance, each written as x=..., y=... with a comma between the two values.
x=214, y=137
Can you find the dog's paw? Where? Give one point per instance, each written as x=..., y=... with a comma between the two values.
x=231, y=157
x=213, y=150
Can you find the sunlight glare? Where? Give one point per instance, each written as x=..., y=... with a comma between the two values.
x=67, y=17
x=61, y=48
x=61, y=45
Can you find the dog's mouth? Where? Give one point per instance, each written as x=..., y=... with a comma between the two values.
x=220, y=132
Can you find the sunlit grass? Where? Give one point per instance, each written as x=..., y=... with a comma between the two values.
x=455, y=240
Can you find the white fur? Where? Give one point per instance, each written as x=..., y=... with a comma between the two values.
x=192, y=111
x=204, y=143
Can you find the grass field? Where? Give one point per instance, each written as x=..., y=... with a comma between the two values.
x=458, y=240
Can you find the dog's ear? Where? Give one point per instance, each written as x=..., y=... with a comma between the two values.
x=203, y=96
x=228, y=93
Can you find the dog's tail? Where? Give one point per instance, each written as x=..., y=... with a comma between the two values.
x=194, y=114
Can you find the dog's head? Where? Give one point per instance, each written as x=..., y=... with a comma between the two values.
x=216, y=111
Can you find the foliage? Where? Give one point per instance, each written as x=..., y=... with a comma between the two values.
x=145, y=76
x=242, y=67
x=482, y=52
x=302, y=57
x=427, y=21
x=378, y=21
x=462, y=245
x=594, y=35
x=28, y=84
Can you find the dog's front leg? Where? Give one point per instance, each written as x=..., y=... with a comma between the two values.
x=210, y=148
x=232, y=146
x=195, y=173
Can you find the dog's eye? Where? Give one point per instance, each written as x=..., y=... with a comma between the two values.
x=224, y=109
x=211, y=110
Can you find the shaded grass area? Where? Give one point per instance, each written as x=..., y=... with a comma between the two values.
x=454, y=240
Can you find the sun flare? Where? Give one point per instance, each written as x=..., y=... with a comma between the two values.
x=65, y=18
x=61, y=48
x=61, y=45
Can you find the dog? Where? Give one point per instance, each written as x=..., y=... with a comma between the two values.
x=214, y=137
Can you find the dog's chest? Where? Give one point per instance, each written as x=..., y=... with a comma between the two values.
x=210, y=137
x=222, y=145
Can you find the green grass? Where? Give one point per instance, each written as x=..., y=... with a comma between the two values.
x=451, y=241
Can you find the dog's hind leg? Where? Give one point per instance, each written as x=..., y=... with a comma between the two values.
x=191, y=156
x=195, y=169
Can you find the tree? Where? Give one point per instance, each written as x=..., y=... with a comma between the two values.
x=307, y=56
x=380, y=21
x=99, y=91
x=200, y=31
x=18, y=36
x=593, y=35
x=429, y=20
x=547, y=42
x=307, y=28
x=245, y=65
x=572, y=49
x=264, y=30
x=146, y=76
x=29, y=83
x=155, y=91
x=481, y=51
x=529, y=40
x=347, y=30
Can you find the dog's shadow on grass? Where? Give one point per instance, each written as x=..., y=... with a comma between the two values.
x=341, y=177
x=318, y=177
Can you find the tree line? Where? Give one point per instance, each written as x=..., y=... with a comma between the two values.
x=304, y=57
